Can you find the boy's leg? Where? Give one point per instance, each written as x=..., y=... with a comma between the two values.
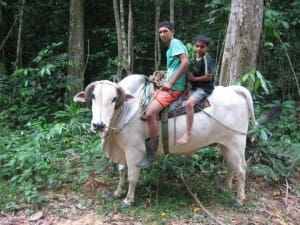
x=161, y=99
x=189, y=121
x=196, y=96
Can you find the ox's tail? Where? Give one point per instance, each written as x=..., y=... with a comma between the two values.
x=245, y=92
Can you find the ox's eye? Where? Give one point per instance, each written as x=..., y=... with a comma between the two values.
x=93, y=96
x=114, y=99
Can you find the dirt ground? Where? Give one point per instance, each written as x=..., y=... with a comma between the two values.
x=265, y=204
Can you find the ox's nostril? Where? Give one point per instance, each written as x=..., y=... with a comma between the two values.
x=99, y=127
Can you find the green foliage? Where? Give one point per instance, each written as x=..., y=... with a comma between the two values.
x=274, y=153
x=111, y=70
x=218, y=11
x=46, y=155
x=274, y=22
x=34, y=91
x=277, y=154
x=281, y=50
x=207, y=160
x=256, y=83
x=191, y=50
x=275, y=162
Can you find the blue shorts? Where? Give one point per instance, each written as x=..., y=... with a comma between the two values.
x=199, y=94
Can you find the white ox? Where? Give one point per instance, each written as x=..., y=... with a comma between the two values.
x=116, y=116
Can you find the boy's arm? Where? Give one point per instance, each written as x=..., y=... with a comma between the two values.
x=208, y=71
x=184, y=65
x=206, y=77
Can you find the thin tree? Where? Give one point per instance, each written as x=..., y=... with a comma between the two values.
x=124, y=45
x=76, y=48
x=157, y=53
x=172, y=11
x=242, y=40
x=18, y=62
x=129, y=36
x=1, y=28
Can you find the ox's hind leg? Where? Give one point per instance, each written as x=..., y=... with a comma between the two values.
x=234, y=154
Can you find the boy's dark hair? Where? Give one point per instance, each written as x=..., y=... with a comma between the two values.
x=203, y=39
x=167, y=24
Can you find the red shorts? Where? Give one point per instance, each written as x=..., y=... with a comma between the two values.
x=165, y=98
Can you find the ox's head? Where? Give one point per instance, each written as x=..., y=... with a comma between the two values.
x=104, y=98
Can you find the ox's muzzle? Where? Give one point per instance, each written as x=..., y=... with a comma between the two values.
x=99, y=127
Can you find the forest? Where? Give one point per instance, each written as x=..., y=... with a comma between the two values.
x=50, y=50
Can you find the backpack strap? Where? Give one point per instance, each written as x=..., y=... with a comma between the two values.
x=165, y=130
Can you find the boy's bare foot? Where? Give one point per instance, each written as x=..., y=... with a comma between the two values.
x=184, y=139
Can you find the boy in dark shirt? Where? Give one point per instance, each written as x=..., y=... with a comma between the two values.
x=202, y=82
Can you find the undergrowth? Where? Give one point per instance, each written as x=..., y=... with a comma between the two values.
x=276, y=154
x=58, y=149
x=46, y=155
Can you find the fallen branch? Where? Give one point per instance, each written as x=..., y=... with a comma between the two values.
x=286, y=192
x=199, y=203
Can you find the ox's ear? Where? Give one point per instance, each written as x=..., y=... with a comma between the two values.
x=79, y=97
x=122, y=96
x=88, y=93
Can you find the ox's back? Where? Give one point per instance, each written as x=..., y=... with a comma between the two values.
x=227, y=118
x=132, y=83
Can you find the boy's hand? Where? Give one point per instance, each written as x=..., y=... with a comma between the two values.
x=167, y=86
x=157, y=83
x=191, y=77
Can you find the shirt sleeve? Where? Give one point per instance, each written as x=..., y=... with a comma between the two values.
x=177, y=48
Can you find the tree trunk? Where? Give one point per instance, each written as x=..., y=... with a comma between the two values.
x=242, y=40
x=76, y=48
x=18, y=62
x=172, y=11
x=129, y=38
x=124, y=45
x=157, y=53
x=118, y=29
x=123, y=36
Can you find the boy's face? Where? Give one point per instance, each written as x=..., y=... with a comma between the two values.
x=165, y=34
x=201, y=48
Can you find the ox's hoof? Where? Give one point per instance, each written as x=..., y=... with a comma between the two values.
x=237, y=204
x=126, y=203
x=117, y=194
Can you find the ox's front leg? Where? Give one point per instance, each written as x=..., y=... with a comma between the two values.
x=133, y=174
x=122, y=180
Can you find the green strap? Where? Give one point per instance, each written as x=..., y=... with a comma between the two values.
x=205, y=64
x=165, y=130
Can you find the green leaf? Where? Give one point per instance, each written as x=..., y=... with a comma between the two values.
x=265, y=171
x=263, y=82
x=269, y=44
x=264, y=135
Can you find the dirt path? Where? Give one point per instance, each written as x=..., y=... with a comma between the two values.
x=266, y=204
